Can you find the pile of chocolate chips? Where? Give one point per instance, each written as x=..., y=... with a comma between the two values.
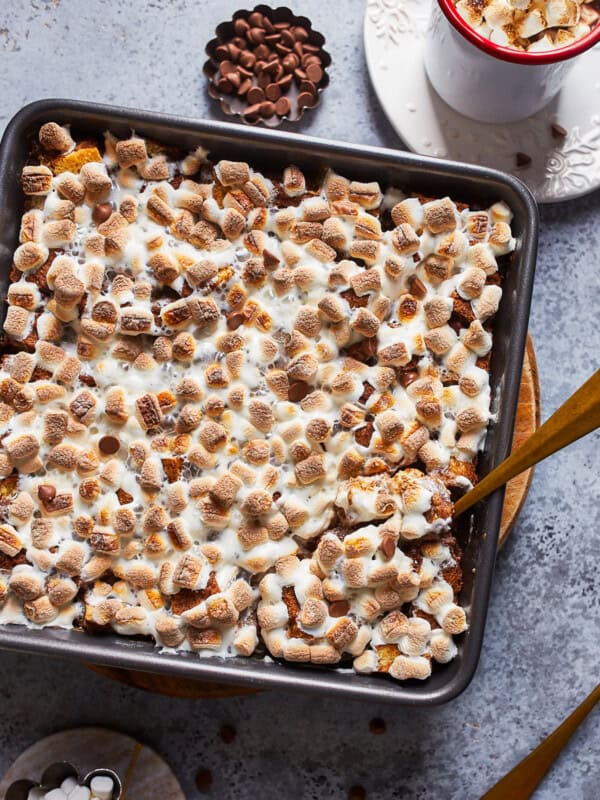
x=272, y=68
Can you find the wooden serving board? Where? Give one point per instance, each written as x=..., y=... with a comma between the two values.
x=143, y=773
x=526, y=423
x=528, y=419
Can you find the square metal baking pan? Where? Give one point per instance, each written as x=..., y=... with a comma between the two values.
x=477, y=533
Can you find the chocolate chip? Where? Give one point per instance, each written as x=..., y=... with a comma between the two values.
x=357, y=793
x=101, y=212
x=204, y=780
x=234, y=79
x=522, y=160
x=305, y=100
x=226, y=67
x=407, y=377
x=262, y=52
x=290, y=62
x=273, y=39
x=283, y=107
x=368, y=390
x=267, y=109
x=273, y=92
x=255, y=95
x=234, y=52
x=300, y=75
x=377, y=726
x=221, y=52
x=271, y=67
x=247, y=59
x=285, y=83
x=558, y=132
x=234, y=320
x=300, y=33
x=308, y=86
x=225, y=86
x=298, y=390
x=287, y=38
x=244, y=86
x=240, y=26
x=310, y=58
x=314, y=72
x=255, y=20
x=252, y=113
x=339, y=608
x=227, y=733
x=109, y=445
x=46, y=492
x=388, y=546
x=255, y=36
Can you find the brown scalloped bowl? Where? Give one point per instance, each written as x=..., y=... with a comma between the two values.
x=234, y=105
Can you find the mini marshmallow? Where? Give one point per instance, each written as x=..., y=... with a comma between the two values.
x=562, y=13
x=102, y=787
x=80, y=793
x=56, y=794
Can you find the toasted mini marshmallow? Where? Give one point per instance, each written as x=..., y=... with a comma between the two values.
x=95, y=179
x=562, y=13
x=55, y=138
x=36, y=180
x=471, y=11
x=405, y=667
x=534, y=21
x=30, y=256
x=486, y=305
x=542, y=45
x=498, y=13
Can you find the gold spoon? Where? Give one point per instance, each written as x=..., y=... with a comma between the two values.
x=579, y=415
x=522, y=780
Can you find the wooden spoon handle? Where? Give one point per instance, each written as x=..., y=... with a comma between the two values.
x=579, y=415
x=522, y=780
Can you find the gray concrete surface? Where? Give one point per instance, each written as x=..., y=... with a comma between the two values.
x=541, y=647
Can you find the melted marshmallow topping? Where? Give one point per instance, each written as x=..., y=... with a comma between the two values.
x=532, y=25
x=217, y=388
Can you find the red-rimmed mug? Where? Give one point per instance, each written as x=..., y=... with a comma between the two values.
x=487, y=81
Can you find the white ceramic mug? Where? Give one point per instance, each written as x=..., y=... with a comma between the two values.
x=486, y=81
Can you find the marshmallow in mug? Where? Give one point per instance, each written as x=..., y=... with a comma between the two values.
x=101, y=788
x=531, y=25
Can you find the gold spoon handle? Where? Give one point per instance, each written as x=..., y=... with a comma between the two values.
x=521, y=782
x=579, y=415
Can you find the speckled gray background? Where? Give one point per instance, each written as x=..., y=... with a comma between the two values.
x=541, y=648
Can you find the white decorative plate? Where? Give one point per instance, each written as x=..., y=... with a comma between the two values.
x=561, y=169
